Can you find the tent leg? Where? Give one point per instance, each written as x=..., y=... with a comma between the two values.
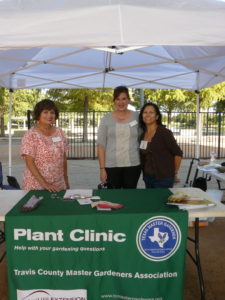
x=197, y=148
x=10, y=132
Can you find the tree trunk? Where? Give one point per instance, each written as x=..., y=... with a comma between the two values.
x=85, y=124
x=2, y=127
x=169, y=118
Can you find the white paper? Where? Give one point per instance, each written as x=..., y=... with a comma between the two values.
x=143, y=145
x=190, y=207
x=133, y=123
x=32, y=202
x=78, y=193
x=84, y=201
x=209, y=168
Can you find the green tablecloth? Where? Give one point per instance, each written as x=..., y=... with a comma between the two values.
x=63, y=250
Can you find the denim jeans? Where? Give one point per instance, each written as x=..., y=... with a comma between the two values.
x=152, y=182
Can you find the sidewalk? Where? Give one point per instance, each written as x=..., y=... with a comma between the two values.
x=82, y=173
x=85, y=173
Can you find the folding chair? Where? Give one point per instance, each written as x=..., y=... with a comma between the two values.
x=13, y=183
x=187, y=182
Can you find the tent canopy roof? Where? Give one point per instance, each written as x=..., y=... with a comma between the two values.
x=56, y=23
x=170, y=67
x=95, y=44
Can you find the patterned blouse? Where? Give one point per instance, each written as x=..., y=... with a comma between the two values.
x=48, y=153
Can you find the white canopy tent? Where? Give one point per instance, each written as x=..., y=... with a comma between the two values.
x=61, y=23
x=170, y=67
x=95, y=44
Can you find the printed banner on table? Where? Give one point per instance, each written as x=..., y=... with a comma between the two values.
x=96, y=256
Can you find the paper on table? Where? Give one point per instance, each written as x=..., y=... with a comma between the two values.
x=84, y=201
x=190, y=207
x=194, y=198
x=193, y=204
x=81, y=193
x=209, y=168
x=31, y=204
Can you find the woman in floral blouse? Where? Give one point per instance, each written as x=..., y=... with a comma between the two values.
x=44, y=149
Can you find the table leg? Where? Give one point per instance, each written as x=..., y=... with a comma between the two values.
x=2, y=240
x=219, y=185
x=196, y=258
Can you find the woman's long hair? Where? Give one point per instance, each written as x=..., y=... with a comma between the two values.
x=158, y=113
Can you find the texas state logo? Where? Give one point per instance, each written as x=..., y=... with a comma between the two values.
x=158, y=238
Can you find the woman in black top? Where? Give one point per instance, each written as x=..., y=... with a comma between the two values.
x=160, y=154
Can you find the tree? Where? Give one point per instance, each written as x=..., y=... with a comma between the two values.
x=209, y=96
x=220, y=106
x=185, y=100
x=3, y=109
x=22, y=100
x=74, y=99
x=82, y=100
x=168, y=100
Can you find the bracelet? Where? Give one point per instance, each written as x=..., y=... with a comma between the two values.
x=102, y=168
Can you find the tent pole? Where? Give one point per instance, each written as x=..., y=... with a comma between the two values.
x=197, y=148
x=10, y=127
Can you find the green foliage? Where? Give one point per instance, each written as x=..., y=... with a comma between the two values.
x=168, y=100
x=79, y=99
x=183, y=100
x=22, y=100
x=3, y=109
x=220, y=106
x=136, y=98
x=3, y=101
x=209, y=96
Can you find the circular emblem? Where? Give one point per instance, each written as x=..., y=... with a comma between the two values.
x=158, y=238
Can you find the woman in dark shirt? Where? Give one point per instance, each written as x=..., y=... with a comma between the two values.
x=160, y=154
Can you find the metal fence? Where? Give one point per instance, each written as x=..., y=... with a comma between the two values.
x=81, y=129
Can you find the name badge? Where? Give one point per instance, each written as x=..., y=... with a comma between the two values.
x=56, y=139
x=143, y=145
x=133, y=123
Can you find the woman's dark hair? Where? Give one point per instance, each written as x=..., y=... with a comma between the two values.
x=45, y=104
x=120, y=89
x=158, y=113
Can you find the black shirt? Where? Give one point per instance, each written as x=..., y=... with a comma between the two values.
x=158, y=158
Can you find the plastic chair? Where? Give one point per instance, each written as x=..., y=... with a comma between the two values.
x=13, y=183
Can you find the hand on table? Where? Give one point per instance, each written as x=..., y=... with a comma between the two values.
x=103, y=175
